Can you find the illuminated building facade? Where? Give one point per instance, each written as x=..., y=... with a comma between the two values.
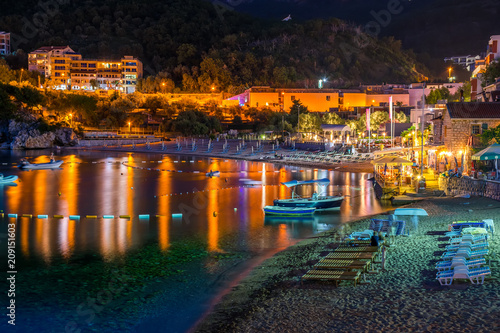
x=4, y=43
x=68, y=70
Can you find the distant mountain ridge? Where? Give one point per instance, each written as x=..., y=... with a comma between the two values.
x=199, y=44
x=438, y=27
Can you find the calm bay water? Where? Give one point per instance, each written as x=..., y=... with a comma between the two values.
x=220, y=212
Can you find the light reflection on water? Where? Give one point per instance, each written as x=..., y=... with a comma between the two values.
x=221, y=211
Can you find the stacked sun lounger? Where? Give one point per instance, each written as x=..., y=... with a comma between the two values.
x=346, y=263
x=465, y=255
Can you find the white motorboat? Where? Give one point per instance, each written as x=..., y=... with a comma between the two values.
x=319, y=201
x=7, y=179
x=213, y=174
x=25, y=165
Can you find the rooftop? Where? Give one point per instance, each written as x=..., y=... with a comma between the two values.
x=474, y=110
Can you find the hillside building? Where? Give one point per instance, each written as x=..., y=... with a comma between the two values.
x=492, y=54
x=4, y=43
x=67, y=69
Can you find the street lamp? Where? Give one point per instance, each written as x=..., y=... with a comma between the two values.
x=129, y=127
x=71, y=120
x=163, y=87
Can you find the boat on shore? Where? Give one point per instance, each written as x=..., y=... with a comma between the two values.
x=7, y=179
x=25, y=165
x=288, y=211
x=320, y=201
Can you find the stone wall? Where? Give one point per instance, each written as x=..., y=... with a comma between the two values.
x=457, y=186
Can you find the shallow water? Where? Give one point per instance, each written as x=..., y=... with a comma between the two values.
x=220, y=212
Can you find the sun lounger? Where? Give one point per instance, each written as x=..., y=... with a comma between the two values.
x=465, y=253
x=474, y=239
x=450, y=264
x=475, y=275
x=351, y=256
x=337, y=276
x=330, y=264
x=489, y=225
x=474, y=231
x=467, y=244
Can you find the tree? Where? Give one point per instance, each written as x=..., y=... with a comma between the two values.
x=309, y=122
x=491, y=73
x=401, y=117
x=7, y=108
x=332, y=118
x=296, y=109
x=6, y=74
x=193, y=122
x=490, y=134
x=94, y=84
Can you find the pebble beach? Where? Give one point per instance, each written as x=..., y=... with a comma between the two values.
x=405, y=297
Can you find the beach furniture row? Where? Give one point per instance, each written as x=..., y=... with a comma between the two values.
x=464, y=257
x=346, y=263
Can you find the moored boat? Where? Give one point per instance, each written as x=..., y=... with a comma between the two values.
x=319, y=201
x=25, y=165
x=7, y=179
x=288, y=211
x=213, y=174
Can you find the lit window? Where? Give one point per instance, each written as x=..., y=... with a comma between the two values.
x=328, y=98
x=475, y=129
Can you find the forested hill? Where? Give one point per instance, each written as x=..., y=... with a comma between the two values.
x=440, y=28
x=199, y=44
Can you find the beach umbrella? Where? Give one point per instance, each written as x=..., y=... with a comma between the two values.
x=487, y=154
x=490, y=153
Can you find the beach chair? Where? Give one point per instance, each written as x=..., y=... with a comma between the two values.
x=400, y=228
x=450, y=264
x=467, y=244
x=465, y=253
x=475, y=275
x=471, y=238
x=337, y=276
x=489, y=225
x=445, y=278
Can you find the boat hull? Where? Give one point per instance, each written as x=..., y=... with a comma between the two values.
x=284, y=211
x=328, y=203
x=38, y=166
x=8, y=179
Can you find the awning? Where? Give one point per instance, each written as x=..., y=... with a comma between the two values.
x=490, y=153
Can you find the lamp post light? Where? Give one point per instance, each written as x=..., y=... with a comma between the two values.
x=129, y=127
x=449, y=74
x=163, y=87
x=70, y=120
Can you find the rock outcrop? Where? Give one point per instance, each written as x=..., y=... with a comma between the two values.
x=22, y=135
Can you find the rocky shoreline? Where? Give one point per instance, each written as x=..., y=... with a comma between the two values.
x=404, y=298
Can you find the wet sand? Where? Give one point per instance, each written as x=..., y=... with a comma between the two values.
x=405, y=297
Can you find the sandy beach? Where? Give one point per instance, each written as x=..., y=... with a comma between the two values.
x=405, y=297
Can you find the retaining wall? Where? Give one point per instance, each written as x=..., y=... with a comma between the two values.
x=456, y=186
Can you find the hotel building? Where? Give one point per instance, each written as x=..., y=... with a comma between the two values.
x=4, y=43
x=68, y=70
x=492, y=54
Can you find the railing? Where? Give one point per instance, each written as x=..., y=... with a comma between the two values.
x=477, y=187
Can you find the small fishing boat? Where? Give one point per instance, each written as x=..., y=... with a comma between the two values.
x=7, y=179
x=288, y=211
x=319, y=201
x=213, y=174
x=25, y=165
